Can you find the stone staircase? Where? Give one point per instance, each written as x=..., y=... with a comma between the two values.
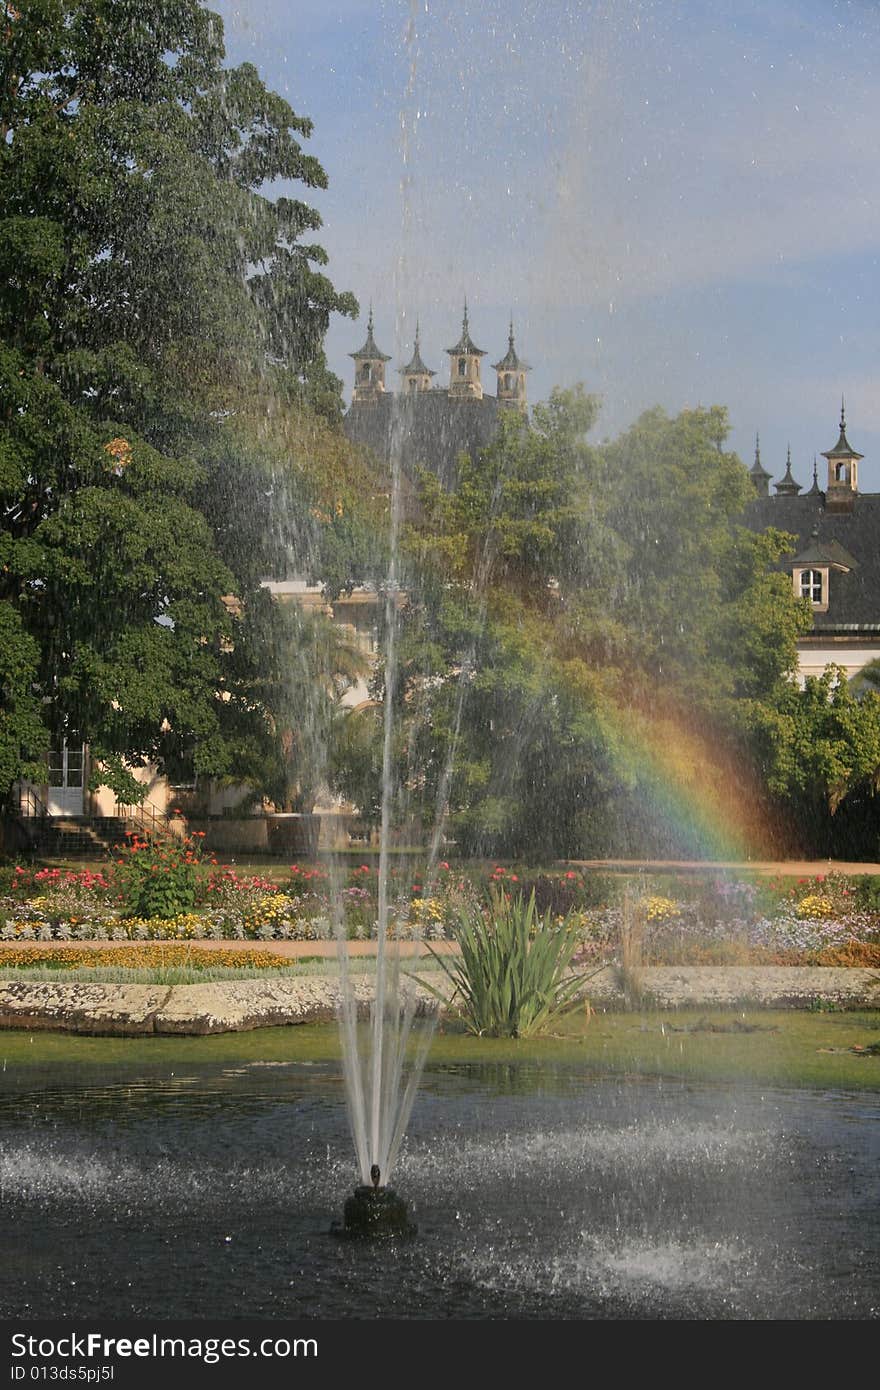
x=73, y=837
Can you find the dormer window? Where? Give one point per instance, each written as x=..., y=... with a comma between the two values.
x=811, y=585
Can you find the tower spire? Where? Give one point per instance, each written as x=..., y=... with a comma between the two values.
x=815, y=490
x=759, y=475
x=511, y=376
x=416, y=376
x=843, y=470
x=787, y=487
x=464, y=364
x=369, y=376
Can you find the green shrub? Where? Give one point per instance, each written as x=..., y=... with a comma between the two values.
x=159, y=875
x=867, y=892
x=513, y=976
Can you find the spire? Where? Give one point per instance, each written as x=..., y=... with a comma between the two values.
x=759, y=475
x=510, y=362
x=843, y=470
x=417, y=376
x=370, y=352
x=842, y=449
x=464, y=365
x=787, y=487
x=511, y=371
x=465, y=345
x=369, y=375
x=815, y=490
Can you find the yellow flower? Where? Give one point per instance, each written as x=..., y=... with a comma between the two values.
x=815, y=906
x=658, y=909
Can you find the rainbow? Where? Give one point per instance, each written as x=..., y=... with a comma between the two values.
x=696, y=793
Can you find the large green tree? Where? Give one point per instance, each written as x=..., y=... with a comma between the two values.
x=149, y=292
x=576, y=614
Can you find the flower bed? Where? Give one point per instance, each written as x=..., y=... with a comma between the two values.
x=707, y=920
x=147, y=956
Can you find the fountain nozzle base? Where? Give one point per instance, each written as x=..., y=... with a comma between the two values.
x=375, y=1213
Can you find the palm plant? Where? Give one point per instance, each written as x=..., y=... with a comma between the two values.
x=513, y=976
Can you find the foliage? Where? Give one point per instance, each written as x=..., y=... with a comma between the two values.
x=293, y=667
x=866, y=890
x=158, y=876
x=22, y=737
x=589, y=636
x=513, y=974
x=152, y=296
x=821, y=747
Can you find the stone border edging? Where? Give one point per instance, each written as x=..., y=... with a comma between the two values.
x=137, y=1010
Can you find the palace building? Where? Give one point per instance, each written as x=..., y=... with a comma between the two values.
x=431, y=425
x=836, y=562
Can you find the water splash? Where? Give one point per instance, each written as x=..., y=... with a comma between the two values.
x=382, y=1072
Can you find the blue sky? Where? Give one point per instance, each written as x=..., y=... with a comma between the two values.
x=678, y=201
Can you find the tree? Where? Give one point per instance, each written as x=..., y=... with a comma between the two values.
x=148, y=289
x=822, y=755
x=294, y=668
x=587, y=627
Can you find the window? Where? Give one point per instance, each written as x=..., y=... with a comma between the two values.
x=462, y=366
x=811, y=585
x=841, y=473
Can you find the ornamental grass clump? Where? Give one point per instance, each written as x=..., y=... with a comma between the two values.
x=514, y=973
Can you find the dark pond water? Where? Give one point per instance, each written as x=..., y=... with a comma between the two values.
x=539, y=1193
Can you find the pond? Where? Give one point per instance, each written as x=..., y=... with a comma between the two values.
x=206, y=1189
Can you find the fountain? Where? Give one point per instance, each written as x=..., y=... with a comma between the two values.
x=578, y=1193
x=380, y=1078
x=545, y=1188
x=375, y=1213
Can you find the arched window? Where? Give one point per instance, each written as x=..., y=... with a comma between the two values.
x=841, y=473
x=811, y=585
x=462, y=366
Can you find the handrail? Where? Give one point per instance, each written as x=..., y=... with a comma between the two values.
x=144, y=813
x=30, y=805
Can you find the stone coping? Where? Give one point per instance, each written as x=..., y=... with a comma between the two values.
x=241, y=1005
